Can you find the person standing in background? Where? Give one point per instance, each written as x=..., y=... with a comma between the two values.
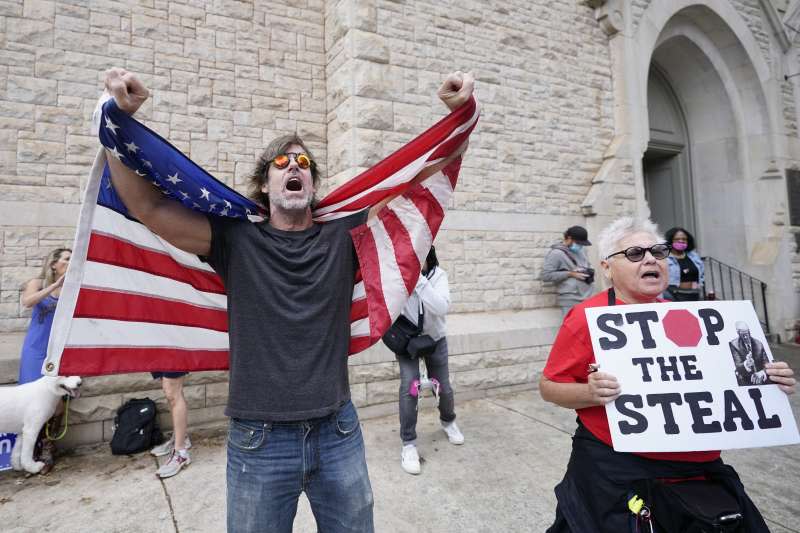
x=686, y=270
x=433, y=294
x=567, y=266
x=41, y=294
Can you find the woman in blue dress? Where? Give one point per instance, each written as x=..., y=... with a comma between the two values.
x=41, y=294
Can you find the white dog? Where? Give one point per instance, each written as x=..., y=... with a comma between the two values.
x=24, y=409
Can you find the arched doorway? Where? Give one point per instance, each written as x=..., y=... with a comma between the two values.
x=666, y=163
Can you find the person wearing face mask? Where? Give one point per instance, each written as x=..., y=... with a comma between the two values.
x=566, y=266
x=686, y=271
x=595, y=492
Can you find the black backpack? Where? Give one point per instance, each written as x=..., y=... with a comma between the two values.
x=136, y=427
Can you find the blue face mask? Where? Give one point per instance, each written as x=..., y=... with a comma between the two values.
x=575, y=247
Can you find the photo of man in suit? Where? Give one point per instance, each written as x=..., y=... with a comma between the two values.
x=749, y=357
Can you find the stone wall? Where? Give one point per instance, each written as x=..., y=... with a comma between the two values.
x=226, y=77
x=357, y=79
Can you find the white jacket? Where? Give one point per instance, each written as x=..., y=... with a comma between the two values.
x=435, y=296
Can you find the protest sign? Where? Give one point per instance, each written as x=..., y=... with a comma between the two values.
x=6, y=446
x=692, y=377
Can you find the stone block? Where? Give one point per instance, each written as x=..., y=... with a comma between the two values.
x=94, y=408
x=212, y=376
x=32, y=90
x=219, y=130
x=38, y=9
x=368, y=46
x=216, y=394
x=40, y=152
x=105, y=20
x=373, y=372
x=373, y=114
x=81, y=148
x=76, y=24
x=15, y=277
x=383, y=391
x=374, y=80
x=30, y=32
x=358, y=394
x=204, y=153
x=368, y=147
x=169, y=101
x=139, y=382
x=147, y=27
x=79, y=41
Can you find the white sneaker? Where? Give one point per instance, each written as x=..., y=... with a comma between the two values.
x=454, y=434
x=177, y=460
x=410, y=459
x=168, y=447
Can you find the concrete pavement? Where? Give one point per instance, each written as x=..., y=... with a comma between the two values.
x=500, y=480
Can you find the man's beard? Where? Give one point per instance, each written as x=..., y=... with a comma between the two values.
x=292, y=204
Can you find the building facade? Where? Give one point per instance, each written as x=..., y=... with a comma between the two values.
x=686, y=111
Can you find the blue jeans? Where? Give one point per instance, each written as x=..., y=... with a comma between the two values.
x=436, y=365
x=271, y=463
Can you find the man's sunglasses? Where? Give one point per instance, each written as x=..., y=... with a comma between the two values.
x=636, y=253
x=281, y=161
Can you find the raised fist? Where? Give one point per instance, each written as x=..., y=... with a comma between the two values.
x=128, y=90
x=456, y=89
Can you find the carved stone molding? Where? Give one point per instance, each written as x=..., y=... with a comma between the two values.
x=610, y=14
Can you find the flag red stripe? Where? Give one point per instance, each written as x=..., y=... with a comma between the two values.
x=118, y=360
x=113, y=251
x=97, y=303
x=429, y=206
x=379, y=319
x=402, y=157
x=359, y=344
x=358, y=309
x=404, y=254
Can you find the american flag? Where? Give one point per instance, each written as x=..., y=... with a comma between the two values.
x=132, y=302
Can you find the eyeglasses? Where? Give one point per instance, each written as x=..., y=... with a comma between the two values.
x=281, y=161
x=636, y=253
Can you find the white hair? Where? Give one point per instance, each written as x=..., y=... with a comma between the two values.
x=608, y=240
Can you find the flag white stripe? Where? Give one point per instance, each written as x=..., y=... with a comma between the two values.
x=109, y=222
x=360, y=328
x=359, y=291
x=121, y=279
x=92, y=332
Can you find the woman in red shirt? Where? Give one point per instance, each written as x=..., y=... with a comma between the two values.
x=598, y=483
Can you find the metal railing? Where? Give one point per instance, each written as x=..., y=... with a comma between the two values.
x=728, y=283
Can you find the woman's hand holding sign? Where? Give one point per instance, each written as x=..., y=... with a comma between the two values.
x=780, y=374
x=603, y=388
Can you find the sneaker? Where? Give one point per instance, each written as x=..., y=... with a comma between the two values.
x=454, y=434
x=410, y=459
x=177, y=460
x=168, y=447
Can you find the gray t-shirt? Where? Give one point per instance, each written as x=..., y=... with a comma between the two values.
x=289, y=295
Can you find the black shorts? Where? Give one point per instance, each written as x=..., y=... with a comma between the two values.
x=172, y=375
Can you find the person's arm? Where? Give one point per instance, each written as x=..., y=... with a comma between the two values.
x=455, y=91
x=555, y=269
x=434, y=293
x=183, y=228
x=33, y=293
x=600, y=389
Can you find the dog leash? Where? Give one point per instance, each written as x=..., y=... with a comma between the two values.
x=66, y=424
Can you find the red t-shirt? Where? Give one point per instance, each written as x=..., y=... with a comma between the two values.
x=568, y=363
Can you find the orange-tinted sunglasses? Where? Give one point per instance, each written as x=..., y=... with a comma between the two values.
x=281, y=161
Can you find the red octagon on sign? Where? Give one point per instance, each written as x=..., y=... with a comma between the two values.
x=682, y=328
